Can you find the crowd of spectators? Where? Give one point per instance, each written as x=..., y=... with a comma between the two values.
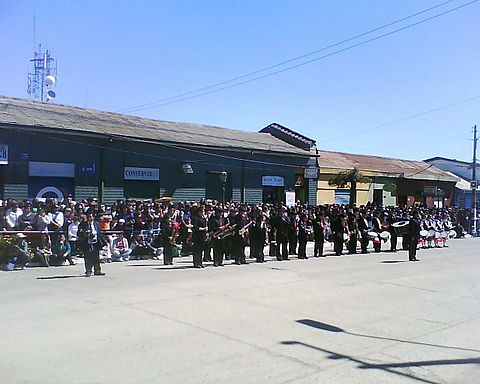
x=135, y=227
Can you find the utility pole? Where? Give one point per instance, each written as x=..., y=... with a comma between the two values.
x=474, y=181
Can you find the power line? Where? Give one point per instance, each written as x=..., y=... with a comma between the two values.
x=401, y=120
x=284, y=62
x=179, y=98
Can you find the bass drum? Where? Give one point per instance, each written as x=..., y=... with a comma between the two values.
x=401, y=227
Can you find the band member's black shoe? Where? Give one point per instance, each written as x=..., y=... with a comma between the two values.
x=99, y=273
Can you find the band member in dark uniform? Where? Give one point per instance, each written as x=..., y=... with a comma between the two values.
x=352, y=227
x=216, y=224
x=414, y=227
x=318, y=234
x=377, y=227
x=338, y=229
x=292, y=233
x=199, y=232
x=303, y=226
x=258, y=235
x=272, y=235
x=392, y=218
x=362, y=224
x=227, y=241
x=238, y=241
x=90, y=241
x=168, y=239
x=282, y=225
x=207, y=252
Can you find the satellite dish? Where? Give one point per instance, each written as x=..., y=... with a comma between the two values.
x=50, y=80
x=51, y=95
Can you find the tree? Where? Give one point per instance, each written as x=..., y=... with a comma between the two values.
x=349, y=178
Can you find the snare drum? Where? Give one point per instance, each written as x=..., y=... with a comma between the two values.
x=385, y=235
x=443, y=234
x=373, y=235
x=423, y=233
x=431, y=233
x=437, y=235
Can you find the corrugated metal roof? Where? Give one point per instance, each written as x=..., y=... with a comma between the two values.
x=29, y=113
x=402, y=168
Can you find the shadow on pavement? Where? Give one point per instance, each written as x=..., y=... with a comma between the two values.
x=388, y=367
x=333, y=328
x=393, y=261
x=58, y=277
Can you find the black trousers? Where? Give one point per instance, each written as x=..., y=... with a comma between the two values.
x=256, y=250
x=238, y=249
x=282, y=253
x=198, y=247
x=92, y=259
x=302, y=248
x=364, y=243
x=318, y=248
x=217, y=246
x=167, y=253
x=292, y=244
x=338, y=243
x=412, y=251
x=393, y=241
x=352, y=244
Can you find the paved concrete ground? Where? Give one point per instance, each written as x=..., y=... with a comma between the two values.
x=351, y=319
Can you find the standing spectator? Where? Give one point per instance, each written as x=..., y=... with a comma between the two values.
x=91, y=241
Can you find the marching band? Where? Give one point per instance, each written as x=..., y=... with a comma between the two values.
x=286, y=231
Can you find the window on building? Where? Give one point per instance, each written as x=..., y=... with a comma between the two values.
x=342, y=196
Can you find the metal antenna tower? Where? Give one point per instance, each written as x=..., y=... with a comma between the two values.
x=42, y=76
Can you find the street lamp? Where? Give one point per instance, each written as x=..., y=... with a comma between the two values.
x=223, y=179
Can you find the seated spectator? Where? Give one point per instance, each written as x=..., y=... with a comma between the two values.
x=42, y=221
x=11, y=216
x=16, y=254
x=56, y=218
x=26, y=219
x=153, y=249
x=61, y=252
x=120, y=249
x=140, y=250
x=43, y=251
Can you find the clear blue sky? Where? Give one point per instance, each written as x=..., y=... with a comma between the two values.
x=118, y=54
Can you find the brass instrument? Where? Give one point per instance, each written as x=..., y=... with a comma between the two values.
x=244, y=229
x=222, y=233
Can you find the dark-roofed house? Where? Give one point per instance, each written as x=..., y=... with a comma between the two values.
x=463, y=170
x=51, y=150
x=393, y=181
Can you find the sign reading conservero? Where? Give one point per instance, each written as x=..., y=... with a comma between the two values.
x=134, y=173
x=273, y=181
x=310, y=173
x=3, y=154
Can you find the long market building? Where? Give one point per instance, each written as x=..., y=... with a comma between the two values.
x=51, y=150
